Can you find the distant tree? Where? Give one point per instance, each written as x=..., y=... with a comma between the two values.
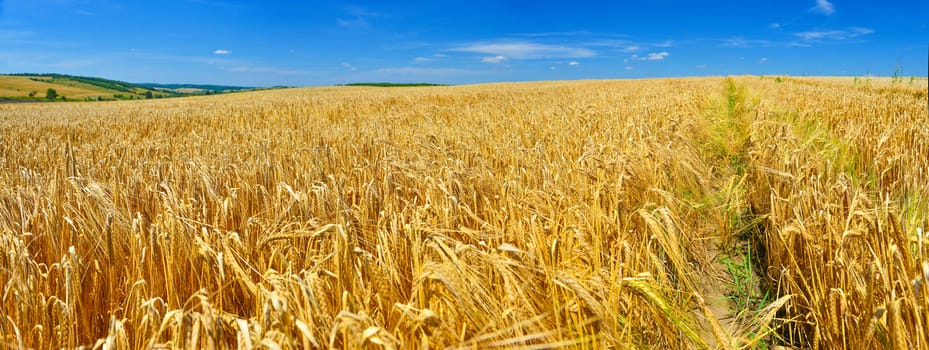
x=32, y=93
x=51, y=94
x=148, y=95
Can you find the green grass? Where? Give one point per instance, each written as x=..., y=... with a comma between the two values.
x=744, y=281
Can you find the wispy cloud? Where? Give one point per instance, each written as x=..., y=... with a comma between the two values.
x=574, y=63
x=414, y=72
x=270, y=70
x=493, y=59
x=348, y=66
x=654, y=56
x=823, y=7
x=745, y=43
x=572, y=33
x=775, y=25
x=77, y=63
x=136, y=55
x=763, y=60
x=358, y=17
x=525, y=50
x=834, y=35
x=83, y=7
x=361, y=11
x=434, y=57
x=657, y=56
x=6, y=34
x=223, y=4
x=37, y=61
x=221, y=52
x=666, y=43
x=802, y=39
x=629, y=46
x=353, y=23
x=31, y=38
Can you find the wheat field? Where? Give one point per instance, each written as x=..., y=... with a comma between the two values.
x=730, y=213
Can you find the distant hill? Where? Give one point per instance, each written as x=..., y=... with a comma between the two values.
x=393, y=84
x=34, y=87
x=194, y=87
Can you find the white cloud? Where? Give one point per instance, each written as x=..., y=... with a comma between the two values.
x=228, y=5
x=654, y=56
x=150, y=56
x=657, y=56
x=775, y=25
x=741, y=42
x=433, y=57
x=627, y=46
x=359, y=17
x=493, y=59
x=834, y=35
x=701, y=66
x=357, y=22
x=666, y=43
x=419, y=71
x=526, y=50
x=15, y=34
x=75, y=63
x=361, y=11
x=628, y=67
x=269, y=70
x=222, y=52
x=348, y=66
x=574, y=63
x=824, y=7
x=763, y=60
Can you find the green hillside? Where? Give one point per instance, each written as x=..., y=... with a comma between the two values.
x=35, y=87
x=72, y=88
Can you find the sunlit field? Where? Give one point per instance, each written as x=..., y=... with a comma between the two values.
x=730, y=213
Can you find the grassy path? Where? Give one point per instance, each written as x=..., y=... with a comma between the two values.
x=731, y=290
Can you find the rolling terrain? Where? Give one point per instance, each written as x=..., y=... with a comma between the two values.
x=34, y=87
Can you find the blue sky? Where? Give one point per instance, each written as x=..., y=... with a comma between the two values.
x=265, y=43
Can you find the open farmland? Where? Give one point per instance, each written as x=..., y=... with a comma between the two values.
x=667, y=213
